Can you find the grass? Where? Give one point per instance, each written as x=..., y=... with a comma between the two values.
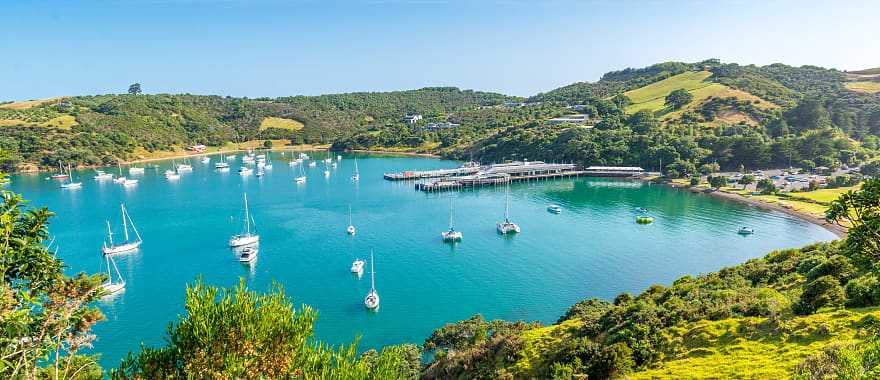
x=281, y=123
x=61, y=122
x=752, y=348
x=27, y=104
x=873, y=71
x=653, y=96
x=864, y=86
x=541, y=341
x=823, y=196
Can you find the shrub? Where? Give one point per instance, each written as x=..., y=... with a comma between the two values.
x=824, y=291
x=863, y=291
x=838, y=266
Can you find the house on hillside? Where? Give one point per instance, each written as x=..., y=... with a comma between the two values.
x=198, y=148
x=411, y=118
x=576, y=119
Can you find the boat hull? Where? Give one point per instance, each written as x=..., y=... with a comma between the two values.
x=110, y=288
x=451, y=235
x=120, y=248
x=372, y=301
x=239, y=241
x=507, y=228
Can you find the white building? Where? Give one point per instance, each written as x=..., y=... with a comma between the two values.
x=411, y=118
x=439, y=126
x=577, y=119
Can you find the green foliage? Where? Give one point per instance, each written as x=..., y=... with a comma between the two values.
x=678, y=99
x=45, y=316
x=843, y=362
x=238, y=333
x=135, y=89
x=821, y=292
x=861, y=210
x=717, y=181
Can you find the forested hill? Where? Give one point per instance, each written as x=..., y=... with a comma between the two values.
x=102, y=129
x=694, y=117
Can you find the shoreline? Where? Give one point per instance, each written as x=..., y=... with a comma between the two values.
x=836, y=229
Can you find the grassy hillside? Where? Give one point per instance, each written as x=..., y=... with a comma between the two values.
x=873, y=71
x=698, y=83
x=280, y=123
x=870, y=87
x=755, y=348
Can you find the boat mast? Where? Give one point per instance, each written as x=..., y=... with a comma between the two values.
x=372, y=274
x=247, y=221
x=349, y=215
x=109, y=233
x=507, y=203
x=124, y=222
x=451, y=212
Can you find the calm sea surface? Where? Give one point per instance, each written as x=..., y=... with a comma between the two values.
x=592, y=249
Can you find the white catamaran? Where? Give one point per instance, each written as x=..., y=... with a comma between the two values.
x=110, y=286
x=111, y=247
x=451, y=235
x=372, y=300
x=350, y=229
x=302, y=175
x=507, y=226
x=247, y=237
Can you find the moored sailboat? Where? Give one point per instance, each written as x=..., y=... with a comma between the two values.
x=70, y=184
x=110, y=286
x=350, y=230
x=507, y=226
x=357, y=175
x=110, y=247
x=452, y=235
x=246, y=237
x=372, y=299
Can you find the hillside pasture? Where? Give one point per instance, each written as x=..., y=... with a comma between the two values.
x=60, y=122
x=870, y=87
x=281, y=123
x=23, y=105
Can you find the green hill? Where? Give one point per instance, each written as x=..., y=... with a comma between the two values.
x=874, y=71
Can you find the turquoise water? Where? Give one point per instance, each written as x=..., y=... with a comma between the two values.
x=592, y=249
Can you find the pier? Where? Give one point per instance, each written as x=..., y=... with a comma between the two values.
x=499, y=174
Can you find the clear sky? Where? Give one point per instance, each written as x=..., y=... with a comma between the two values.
x=277, y=48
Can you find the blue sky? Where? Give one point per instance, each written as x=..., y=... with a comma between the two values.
x=277, y=48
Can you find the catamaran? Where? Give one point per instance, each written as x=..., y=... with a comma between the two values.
x=268, y=165
x=244, y=170
x=184, y=167
x=372, y=300
x=61, y=174
x=451, y=235
x=111, y=247
x=357, y=175
x=129, y=182
x=101, y=175
x=172, y=175
x=350, y=229
x=70, y=184
x=109, y=286
x=135, y=170
x=507, y=226
x=245, y=238
x=206, y=160
x=313, y=164
x=248, y=255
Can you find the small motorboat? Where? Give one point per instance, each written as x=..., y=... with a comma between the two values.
x=249, y=254
x=357, y=267
x=644, y=219
x=130, y=182
x=554, y=209
x=101, y=175
x=746, y=231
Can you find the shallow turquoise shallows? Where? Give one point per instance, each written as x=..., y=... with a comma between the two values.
x=593, y=248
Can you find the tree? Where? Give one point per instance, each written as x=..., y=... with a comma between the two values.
x=267, y=144
x=860, y=210
x=717, y=181
x=134, y=89
x=823, y=291
x=45, y=316
x=747, y=180
x=871, y=168
x=678, y=98
x=766, y=186
x=238, y=333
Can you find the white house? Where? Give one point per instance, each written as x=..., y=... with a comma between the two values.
x=439, y=126
x=411, y=118
x=577, y=119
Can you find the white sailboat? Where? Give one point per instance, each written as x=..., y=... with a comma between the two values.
x=110, y=247
x=135, y=170
x=206, y=160
x=357, y=174
x=129, y=182
x=61, y=174
x=70, y=184
x=372, y=299
x=268, y=165
x=244, y=170
x=222, y=165
x=184, y=167
x=110, y=286
x=247, y=237
x=350, y=229
x=119, y=178
x=507, y=226
x=452, y=235
x=302, y=176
